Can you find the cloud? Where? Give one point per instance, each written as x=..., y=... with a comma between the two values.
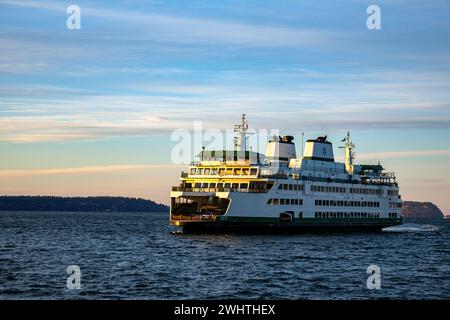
x=74, y=98
x=35, y=50
x=81, y=170
x=402, y=154
x=88, y=126
x=46, y=5
x=188, y=30
x=37, y=113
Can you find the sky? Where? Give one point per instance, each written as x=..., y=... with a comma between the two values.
x=92, y=111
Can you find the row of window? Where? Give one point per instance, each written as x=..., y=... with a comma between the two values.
x=226, y=185
x=371, y=215
x=283, y=201
x=392, y=215
x=345, y=203
x=395, y=205
x=360, y=215
x=331, y=189
x=294, y=187
x=380, y=182
x=253, y=185
x=366, y=191
x=224, y=171
x=392, y=192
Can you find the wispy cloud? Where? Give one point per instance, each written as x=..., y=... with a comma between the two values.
x=402, y=154
x=82, y=170
x=170, y=28
x=36, y=113
x=97, y=99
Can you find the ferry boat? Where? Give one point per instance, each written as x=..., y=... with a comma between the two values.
x=244, y=191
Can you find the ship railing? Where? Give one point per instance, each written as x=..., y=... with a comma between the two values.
x=373, y=182
x=385, y=181
x=275, y=176
x=388, y=174
x=379, y=180
x=184, y=189
x=227, y=162
x=194, y=217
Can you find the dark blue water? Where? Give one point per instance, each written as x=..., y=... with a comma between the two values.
x=137, y=256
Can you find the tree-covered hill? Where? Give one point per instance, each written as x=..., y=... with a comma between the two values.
x=95, y=204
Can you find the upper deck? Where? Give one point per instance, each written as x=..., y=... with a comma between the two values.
x=240, y=169
x=205, y=170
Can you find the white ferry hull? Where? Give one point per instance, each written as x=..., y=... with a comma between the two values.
x=250, y=213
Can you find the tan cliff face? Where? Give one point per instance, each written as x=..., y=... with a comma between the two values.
x=415, y=209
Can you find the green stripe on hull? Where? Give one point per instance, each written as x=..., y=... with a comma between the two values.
x=307, y=221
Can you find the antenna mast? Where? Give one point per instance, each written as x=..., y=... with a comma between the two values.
x=349, y=154
x=303, y=144
x=240, y=141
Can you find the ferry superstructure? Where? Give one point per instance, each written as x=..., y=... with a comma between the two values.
x=244, y=191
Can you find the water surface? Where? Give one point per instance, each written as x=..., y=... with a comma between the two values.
x=138, y=256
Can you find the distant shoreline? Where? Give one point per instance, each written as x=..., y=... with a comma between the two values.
x=56, y=212
x=79, y=204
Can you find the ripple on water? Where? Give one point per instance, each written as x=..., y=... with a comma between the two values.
x=413, y=227
x=129, y=256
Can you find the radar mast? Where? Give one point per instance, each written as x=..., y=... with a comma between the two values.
x=240, y=141
x=349, y=154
